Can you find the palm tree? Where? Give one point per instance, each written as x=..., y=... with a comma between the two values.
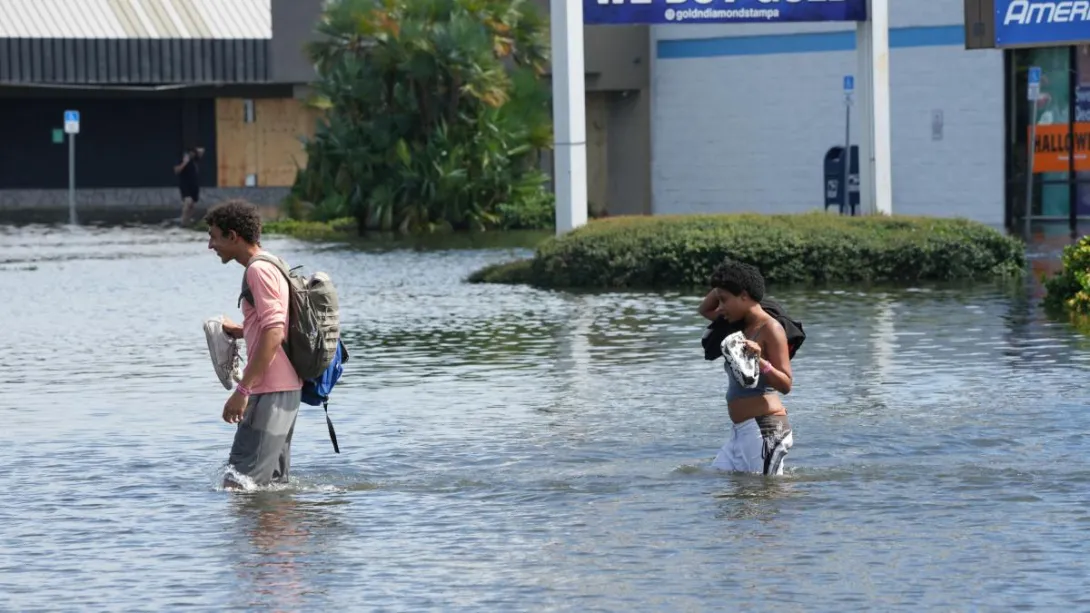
x=434, y=111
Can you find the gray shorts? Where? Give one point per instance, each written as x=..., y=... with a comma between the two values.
x=757, y=445
x=262, y=447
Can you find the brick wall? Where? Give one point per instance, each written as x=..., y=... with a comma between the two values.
x=748, y=132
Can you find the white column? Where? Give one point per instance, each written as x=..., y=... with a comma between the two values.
x=875, y=164
x=569, y=114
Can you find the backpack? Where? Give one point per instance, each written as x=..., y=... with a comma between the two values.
x=313, y=318
x=316, y=391
x=721, y=328
x=313, y=342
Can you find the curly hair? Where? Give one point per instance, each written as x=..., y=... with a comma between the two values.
x=238, y=216
x=735, y=277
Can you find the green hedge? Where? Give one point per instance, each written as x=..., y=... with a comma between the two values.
x=1068, y=292
x=337, y=229
x=812, y=248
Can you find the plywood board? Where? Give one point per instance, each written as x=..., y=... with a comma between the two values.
x=235, y=147
x=270, y=147
x=279, y=144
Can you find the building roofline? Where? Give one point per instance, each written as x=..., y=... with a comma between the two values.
x=136, y=19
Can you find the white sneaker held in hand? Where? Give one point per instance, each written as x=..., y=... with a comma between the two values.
x=223, y=350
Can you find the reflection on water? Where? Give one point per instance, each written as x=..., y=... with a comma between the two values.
x=274, y=534
x=278, y=536
x=505, y=448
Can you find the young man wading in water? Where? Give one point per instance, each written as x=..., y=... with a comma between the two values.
x=266, y=401
x=761, y=435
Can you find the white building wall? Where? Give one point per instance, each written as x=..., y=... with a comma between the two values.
x=745, y=126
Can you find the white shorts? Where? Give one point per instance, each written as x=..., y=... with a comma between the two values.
x=756, y=445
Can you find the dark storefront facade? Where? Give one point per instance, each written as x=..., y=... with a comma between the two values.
x=1052, y=38
x=157, y=85
x=124, y=142
x=1061, y=182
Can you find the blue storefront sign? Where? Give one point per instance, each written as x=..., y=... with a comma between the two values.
x=1030, y=23
x=623, y=12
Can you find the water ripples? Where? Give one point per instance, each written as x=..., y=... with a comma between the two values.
x=515, y=449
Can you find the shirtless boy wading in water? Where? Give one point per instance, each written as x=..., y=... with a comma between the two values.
x=761, y=434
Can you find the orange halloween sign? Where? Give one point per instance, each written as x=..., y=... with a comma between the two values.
x=1053, y=148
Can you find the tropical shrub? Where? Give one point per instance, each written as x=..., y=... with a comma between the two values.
x=813, y=248
x=1068, y=292
x=434, y=114
x=335, y=229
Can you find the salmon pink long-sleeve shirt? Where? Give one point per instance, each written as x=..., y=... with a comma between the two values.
x=271, y=295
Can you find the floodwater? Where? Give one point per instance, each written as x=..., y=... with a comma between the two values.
x=510, y=449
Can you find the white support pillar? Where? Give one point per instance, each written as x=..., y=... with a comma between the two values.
x=875, y=151
x=569, y=114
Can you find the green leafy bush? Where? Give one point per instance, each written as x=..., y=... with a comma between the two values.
x=336, y=229
x=434, y=116
x=681, y=251
x=1068, y=292
x=519, y=271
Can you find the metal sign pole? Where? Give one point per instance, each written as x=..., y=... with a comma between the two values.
x=72, y=179
x=1033, y=91
x=846, y=202
x=71, y=126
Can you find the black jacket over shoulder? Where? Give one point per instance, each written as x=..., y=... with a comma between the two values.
x=721, y=328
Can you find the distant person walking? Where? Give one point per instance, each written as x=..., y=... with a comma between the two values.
x=188, y=172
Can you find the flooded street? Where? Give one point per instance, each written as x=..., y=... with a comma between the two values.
x=512, y=449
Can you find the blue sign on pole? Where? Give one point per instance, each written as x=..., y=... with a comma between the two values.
x=1041, y=22
x=71, y=122
x=624, y=12
x=849, y=83
x=1033, y=85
